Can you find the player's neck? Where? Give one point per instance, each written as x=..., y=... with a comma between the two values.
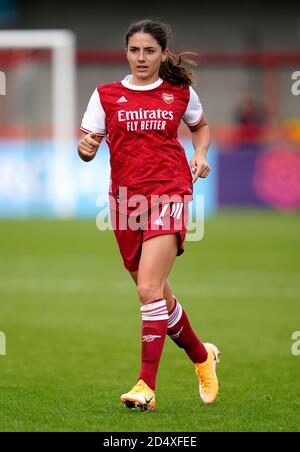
x=142, y=82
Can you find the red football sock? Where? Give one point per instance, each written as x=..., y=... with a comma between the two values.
x=180, y=330
x=154, y=330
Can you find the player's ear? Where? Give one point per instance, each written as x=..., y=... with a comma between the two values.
x=165, y=54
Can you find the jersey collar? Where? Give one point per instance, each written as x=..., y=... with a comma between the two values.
x=126, y=82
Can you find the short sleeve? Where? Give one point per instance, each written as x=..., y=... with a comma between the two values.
x=94, y=117
x=194, y=112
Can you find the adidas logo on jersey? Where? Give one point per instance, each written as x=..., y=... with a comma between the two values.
x=122, y=99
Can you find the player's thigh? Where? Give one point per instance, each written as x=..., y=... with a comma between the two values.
x=157, y=258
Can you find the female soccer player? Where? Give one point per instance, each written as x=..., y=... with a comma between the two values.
x=139, y=116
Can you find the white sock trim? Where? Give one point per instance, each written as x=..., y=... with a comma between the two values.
x=155, y=311
x=155, y=305
x=176, y=315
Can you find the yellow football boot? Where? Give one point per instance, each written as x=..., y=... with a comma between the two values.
x=206, y=373
x=140, y=396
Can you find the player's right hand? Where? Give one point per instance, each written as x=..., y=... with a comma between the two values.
x=88, y=146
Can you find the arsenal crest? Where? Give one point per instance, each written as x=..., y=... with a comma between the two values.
x=168, y=98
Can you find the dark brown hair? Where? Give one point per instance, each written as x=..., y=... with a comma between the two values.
x=172, y=69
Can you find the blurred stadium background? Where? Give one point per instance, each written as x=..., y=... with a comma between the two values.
x=60, y=276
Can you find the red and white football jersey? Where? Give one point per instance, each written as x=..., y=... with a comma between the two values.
x=140, y=124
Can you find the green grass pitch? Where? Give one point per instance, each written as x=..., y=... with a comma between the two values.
x=71, y=318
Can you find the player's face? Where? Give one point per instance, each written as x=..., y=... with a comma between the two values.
x=144, y=56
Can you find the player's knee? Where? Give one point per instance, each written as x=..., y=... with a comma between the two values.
x=148, y=292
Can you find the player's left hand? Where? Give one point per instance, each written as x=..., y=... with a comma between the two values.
x=199, y=167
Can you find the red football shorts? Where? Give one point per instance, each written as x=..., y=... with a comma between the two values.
x=131, y=231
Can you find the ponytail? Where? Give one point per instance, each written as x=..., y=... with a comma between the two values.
x=174, y=72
